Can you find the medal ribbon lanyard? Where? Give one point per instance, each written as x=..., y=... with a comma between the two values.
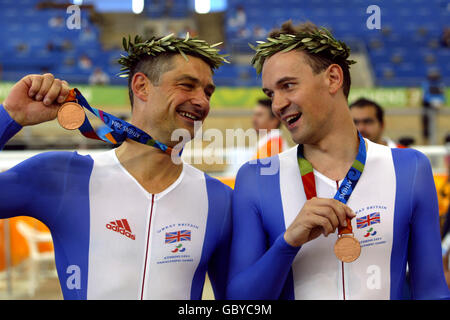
x=347, y=186
x=119, y=130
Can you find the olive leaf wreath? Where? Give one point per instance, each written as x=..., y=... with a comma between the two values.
x=152, y=47
x=319, y=41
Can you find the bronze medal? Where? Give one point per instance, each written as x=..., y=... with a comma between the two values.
x=71, y=116
x=347, y=248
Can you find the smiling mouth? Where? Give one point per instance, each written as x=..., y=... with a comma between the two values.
x=293, y=119
x=189, y=116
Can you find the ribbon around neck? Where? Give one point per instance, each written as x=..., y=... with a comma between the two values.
x=117, y=131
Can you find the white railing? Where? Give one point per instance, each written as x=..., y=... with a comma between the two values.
x=8, y=159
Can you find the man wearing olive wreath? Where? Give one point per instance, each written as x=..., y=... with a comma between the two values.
x=382, y=201
x=128, y=223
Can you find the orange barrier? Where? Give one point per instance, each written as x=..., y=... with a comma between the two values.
x=229, y=181
x=443, y=191
x=18, y=245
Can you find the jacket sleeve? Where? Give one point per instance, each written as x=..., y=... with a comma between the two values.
x=256, y=270
x=425, y=254
x=34, y=187
x=8, y=127
x=219, y=263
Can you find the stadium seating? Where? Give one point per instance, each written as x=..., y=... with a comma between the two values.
x=170, y=9
x=29, y=44
x=401, y=53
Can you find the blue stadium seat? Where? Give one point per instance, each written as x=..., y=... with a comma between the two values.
x=413, y=25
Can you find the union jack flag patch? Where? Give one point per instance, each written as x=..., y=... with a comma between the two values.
x=182, y=235
x=368, y=220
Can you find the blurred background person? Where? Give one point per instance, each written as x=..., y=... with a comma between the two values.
x=98, y=77
x=84, y=62
x=444, y=191
x=239, y=19
x=56, y=22
x=445, y=39
x=433, y=99
x=369, y=120
x=444, y=204
x=267, y=126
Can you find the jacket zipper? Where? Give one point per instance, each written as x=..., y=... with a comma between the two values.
x=146, y=250
x=342, y=263
x=343, y=281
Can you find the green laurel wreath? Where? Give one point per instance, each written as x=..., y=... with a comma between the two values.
x=320, y=41
x=169, y=43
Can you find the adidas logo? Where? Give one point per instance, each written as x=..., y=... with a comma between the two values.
x=122, y=227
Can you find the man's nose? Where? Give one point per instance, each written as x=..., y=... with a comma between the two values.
x=200, y=99
x=279, y=102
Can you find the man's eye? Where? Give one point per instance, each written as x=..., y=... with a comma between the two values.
x=288, y=85
x=188, y=85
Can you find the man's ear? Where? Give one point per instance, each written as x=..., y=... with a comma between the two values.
x=141, y=86
x=335, y=77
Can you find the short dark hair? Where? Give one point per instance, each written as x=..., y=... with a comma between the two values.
x=265, y=102
x=363, y=102
x=317, y=61
x=153, y=68
x=153, y=56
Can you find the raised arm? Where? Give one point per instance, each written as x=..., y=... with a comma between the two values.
x=32, y=100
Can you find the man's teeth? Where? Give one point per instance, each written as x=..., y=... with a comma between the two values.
x=289, y=119
x=188, y=115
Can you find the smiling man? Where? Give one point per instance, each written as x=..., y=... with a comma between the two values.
x=285, y=244
x=127, y=223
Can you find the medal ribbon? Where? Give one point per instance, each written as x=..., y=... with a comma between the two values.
x=347, y=186
x=119, y=130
